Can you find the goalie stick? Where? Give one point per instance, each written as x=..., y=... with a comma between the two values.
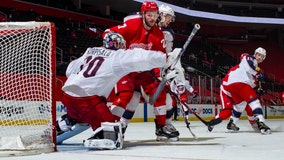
x=76, y=129
x=162, y=84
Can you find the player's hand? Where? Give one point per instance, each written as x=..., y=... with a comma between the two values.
x=195, y=94
x=169, y=74
x=260, y=77
x=260, y=92
x=172, y=57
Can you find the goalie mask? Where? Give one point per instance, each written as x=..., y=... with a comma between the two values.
x=114, y=41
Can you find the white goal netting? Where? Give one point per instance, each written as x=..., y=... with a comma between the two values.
x=27, y=73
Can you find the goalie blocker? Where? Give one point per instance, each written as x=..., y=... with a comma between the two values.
x=107, y=137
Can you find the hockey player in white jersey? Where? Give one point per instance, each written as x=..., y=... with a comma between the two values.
x=237, y=86
x=86, y=89
x=166, y=17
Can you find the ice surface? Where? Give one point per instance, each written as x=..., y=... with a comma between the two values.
x=216, y=145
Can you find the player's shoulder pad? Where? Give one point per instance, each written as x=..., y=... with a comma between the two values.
x=168, y=29
x=249, y=63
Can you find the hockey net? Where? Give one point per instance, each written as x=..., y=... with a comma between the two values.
x=27, y=76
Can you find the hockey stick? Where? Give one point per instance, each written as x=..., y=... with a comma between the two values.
x=259, y=85
x=76, y=129
x=179, y=101
x=162, y=84
x=187, y=123
x=189, y=108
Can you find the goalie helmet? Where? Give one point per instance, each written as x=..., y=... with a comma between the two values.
x=166, y=10
x=149, y=6
x=114, y=41
x=261, y=51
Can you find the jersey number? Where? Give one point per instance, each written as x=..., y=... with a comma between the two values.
x=93, y=67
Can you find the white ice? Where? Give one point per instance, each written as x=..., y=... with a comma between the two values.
x=216, y=145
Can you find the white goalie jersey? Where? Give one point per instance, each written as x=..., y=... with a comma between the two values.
x=97, y=71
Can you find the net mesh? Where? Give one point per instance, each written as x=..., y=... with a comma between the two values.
x=26, y=85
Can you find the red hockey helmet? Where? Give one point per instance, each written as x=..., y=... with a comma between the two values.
x=149, y=6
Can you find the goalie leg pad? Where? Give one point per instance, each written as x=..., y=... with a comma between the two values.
x=100, y=144
x=108, y=136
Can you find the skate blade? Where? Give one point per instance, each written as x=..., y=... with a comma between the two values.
x=166, y=139
x=232, y=131
x=265, y=132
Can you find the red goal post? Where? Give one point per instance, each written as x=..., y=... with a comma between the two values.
x=27, y=88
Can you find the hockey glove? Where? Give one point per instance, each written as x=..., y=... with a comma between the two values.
x=172, y=57
x=260, y=77
x=195, y=94
x=169, y=74
x=260, y=92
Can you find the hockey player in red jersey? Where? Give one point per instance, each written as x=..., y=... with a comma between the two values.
x=234, y=111
x=141, y=31
x=237, y=87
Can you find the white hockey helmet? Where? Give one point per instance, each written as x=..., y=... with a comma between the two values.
x=180, y=88
x=114, y=41
x=261, y=51
x=167, y=10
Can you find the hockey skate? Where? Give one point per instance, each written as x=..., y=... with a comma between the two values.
x=231, y=126
x=263, y=128
x=166, y=133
